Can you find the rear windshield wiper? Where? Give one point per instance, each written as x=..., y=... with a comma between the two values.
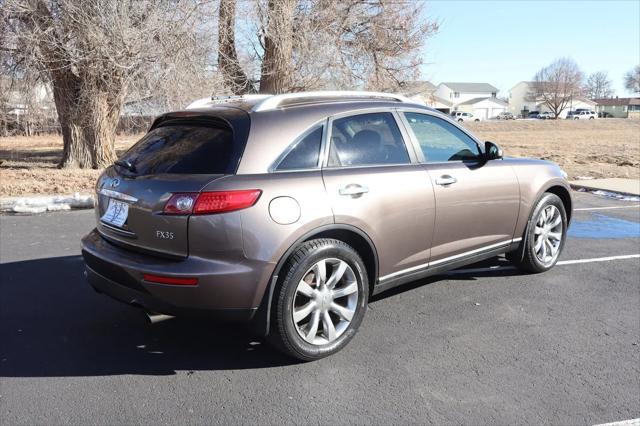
x=126, y=164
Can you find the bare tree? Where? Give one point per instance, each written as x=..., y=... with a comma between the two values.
x=557, y=84
x=228, y=64
x=599, y=85
x=632, y=80
x=276, y=72
x=92, y=52
x=313, y=44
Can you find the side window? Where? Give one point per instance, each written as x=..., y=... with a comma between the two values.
x=305, y=153
x=367, y=139
x=440, y=140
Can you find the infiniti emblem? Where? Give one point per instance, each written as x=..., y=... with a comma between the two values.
x=115, y=183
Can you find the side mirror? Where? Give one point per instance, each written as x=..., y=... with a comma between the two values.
x=492, y=151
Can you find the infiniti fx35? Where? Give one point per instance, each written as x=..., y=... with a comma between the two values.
x=289, y=211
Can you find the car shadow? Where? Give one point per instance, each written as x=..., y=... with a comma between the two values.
x=493, y=267
x=52, y=323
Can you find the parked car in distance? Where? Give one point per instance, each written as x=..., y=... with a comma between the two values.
x=533, y=114
x=505, y=116
x=288, y=212
x=464, y=116
x=547, y=115
x=583, y=115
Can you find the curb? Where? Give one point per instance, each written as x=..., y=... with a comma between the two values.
x=592, y=188
x=624, y=196
x=46, y=203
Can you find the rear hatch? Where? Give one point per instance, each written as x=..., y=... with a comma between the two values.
x=182, y=153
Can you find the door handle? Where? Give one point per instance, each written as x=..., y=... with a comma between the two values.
x=445, y=180
x=353, y=190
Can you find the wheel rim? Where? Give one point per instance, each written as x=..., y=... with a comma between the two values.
x=548, y=235
x=325, y=301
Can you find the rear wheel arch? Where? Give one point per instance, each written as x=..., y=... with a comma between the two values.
x=349, y=234
x=361, y=243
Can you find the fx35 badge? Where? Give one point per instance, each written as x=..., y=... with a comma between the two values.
x=164, y=235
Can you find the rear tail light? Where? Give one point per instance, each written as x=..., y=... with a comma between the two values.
x=211, y=202
x=181, y=203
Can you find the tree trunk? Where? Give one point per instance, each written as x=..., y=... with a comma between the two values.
x=232, y=73
x=276, y=71
x=88, y=119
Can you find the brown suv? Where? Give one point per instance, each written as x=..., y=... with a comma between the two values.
x=289, y=211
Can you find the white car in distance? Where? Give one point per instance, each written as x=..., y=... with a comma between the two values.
x=584, y=115
x=463, y=116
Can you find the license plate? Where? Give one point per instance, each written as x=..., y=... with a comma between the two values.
x=116, y=213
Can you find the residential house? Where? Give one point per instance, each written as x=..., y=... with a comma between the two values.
x=521, y=102
x=26, y=106
x=477, y=98
x=619, y=107
x=423, y=92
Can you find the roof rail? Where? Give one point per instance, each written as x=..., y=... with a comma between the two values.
x=214, y=100
x=274, y=101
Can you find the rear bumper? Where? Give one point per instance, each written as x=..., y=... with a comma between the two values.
x=231, y=291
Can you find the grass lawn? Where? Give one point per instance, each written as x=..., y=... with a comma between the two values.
x=595, y=148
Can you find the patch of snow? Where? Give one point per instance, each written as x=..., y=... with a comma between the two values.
x=58, y=207
x=21, y=208
x=43, y=203
x=615, y=195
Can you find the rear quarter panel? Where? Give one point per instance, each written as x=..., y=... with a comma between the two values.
x=264, y=240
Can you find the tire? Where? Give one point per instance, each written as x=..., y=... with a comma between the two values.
x=545, y=229
x=460, y=120
x=301, y=293
x=476, y=120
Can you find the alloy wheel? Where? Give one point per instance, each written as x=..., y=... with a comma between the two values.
x=325, y=301
x=548, y=235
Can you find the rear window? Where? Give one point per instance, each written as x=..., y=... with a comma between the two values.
x=182, y=149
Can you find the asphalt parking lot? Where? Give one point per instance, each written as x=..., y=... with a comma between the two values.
x=486, y=345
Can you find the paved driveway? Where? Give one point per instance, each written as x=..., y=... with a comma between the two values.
x=488, y=345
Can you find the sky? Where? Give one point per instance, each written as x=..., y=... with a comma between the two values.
x=505, y=42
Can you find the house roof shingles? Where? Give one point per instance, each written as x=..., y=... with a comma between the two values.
x=476, y=100
x=417, y=87
x=617, y=101
x=471, y=87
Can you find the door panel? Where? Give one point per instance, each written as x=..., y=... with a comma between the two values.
x=373, y=185
x=397, y=211
x=477, y=201
x=478, y=210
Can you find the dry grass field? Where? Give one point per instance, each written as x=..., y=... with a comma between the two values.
x=28, y=166
x=591, y=148
x=596, y=148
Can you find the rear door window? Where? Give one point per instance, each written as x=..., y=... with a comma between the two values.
x=182, y=149
x=367, y=139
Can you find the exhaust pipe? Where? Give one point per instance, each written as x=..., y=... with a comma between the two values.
x=155, y=317
x=152, y=317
